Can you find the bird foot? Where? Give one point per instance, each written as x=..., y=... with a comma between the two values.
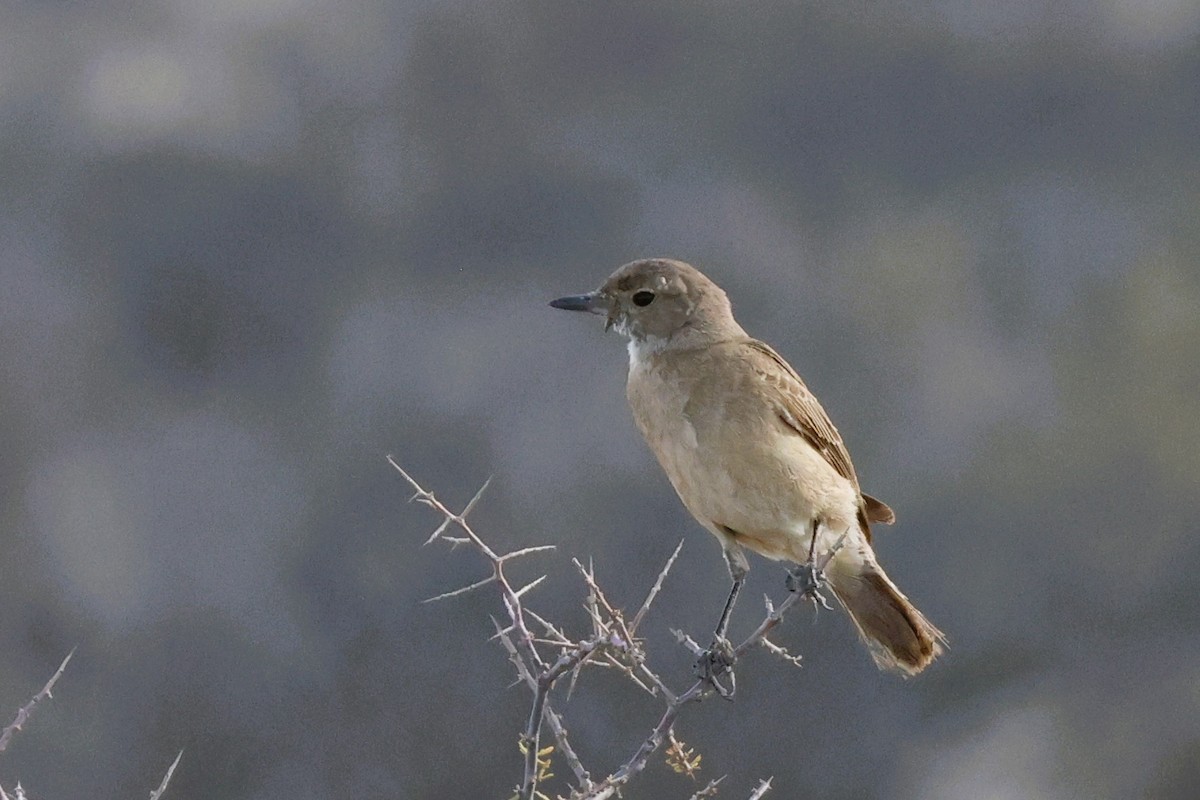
x=715, y=664
x=807, y=579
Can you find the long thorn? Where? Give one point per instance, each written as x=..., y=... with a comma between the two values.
x=528, y=586
x=440, y=530
x=475, y=499
x=463, y=590
x=662, y=576
x=524, y=551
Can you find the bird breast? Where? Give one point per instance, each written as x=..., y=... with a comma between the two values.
x=730, y=458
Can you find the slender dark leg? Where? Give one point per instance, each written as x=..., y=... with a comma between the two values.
x=718, y=659
x=739, y=567
x=723, y=625
x=807, y=578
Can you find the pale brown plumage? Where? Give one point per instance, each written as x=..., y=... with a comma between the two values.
x=750, y=451
x=801, y=411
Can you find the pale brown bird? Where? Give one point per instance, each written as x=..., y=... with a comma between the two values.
x=749, y=450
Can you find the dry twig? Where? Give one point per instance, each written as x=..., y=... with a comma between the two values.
x=26, y=711
x=162, y=787
x=612, y=643
x=762, y=788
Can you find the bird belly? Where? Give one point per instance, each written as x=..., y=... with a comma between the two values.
x=765, y=489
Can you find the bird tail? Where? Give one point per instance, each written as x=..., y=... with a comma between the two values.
x=898, y=635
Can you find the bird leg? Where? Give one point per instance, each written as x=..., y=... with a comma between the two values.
x=808, y=578
x=719, y=658
x=723, y=624
x=717, y=661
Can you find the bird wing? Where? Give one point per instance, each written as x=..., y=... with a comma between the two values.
x=799, y=409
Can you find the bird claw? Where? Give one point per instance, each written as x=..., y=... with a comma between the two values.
x=714, y=664
x=807, y=579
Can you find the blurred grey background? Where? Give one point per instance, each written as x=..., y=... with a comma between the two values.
x=249, y=248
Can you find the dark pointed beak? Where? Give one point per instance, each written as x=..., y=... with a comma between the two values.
x=591, y=302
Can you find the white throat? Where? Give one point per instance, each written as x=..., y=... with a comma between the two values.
x=641, y=349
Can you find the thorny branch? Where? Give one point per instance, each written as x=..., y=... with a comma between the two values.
x=612, y=643
x=162, y=787
x=763, y=787
x=25, y=712
x=517, y=637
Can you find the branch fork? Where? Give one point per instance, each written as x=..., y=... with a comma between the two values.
x=544, y=659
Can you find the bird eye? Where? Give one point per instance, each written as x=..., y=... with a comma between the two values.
x=643, y=298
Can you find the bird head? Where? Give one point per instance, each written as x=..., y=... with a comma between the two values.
x=657, y=301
